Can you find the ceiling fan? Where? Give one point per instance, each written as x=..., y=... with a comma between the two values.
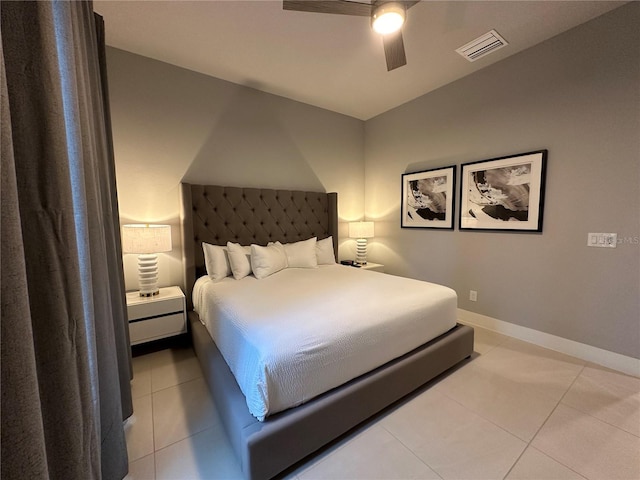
x=387, y=18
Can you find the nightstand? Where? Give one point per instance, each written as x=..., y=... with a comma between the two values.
x=159, y=316
x=376, y=267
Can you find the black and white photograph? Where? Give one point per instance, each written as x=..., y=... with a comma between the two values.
x=504, y=193
x=428, y=199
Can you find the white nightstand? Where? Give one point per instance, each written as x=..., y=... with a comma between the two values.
x=160, y=316
x=376, y=267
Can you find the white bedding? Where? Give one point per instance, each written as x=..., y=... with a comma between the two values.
x=301, y=332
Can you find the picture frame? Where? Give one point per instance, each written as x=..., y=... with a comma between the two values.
x=504, y=194
x=428, y=199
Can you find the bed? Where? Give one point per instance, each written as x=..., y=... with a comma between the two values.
x=216, y=215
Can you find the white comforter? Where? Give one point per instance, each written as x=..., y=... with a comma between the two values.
x=301, y=332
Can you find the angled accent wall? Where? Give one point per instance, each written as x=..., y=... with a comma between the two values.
x=171, y=124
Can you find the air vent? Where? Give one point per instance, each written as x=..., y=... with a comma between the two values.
x=481, y=46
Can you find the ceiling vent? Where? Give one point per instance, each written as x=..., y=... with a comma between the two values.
x=481, y=46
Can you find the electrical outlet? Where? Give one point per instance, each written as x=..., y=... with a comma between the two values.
x=473, y=295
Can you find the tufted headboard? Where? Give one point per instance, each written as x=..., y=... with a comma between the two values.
x=218, y=215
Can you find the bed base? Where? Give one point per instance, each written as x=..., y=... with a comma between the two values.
x=265, y=449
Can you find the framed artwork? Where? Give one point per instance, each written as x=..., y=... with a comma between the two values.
x=504, y=193
x=428, y=199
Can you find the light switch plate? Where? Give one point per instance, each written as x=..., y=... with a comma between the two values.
x=606, y=240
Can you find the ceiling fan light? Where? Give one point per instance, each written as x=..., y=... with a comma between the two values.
x=388, y=18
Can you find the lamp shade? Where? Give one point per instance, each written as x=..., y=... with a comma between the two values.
x=144, y=238
x=361, y=229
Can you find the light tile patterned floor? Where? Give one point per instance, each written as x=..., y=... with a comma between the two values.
x=515, y=411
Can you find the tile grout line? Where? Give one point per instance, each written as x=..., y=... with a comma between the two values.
x=491, y=421
x=474, y=413
x=529, y=443
x=186, y=438
x=436, y=387
x=215, y=425
x=582, y=413
x=482, y=417
x=153, y=423
x=590, y=415
x=152, y=393
x=412, y=452
x=548, y=456
x=177, y=384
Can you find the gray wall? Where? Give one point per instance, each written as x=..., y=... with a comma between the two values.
x=577, y=95
x=171, y=124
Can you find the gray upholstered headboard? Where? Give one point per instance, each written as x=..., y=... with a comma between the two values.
x=218, y=215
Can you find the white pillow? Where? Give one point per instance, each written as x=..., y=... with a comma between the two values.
x=216, y=261
x=302, y=254
x=324, y=251
x=267, y=260
x=239, y=259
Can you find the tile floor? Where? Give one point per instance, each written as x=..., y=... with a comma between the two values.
x=514, y=411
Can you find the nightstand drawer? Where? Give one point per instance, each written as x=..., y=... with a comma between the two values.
x=159, y=316
x=153, y=307
x=159, y=327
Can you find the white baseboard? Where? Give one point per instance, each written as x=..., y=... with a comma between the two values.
x=615, y=361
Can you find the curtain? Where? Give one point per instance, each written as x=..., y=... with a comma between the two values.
x=65, y=358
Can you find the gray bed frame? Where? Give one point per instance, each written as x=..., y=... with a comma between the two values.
x=215, y=215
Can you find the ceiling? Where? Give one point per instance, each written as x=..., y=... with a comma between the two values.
x=332, y=61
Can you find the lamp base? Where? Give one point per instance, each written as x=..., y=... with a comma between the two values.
x=148, y=274
x=361, y=251
x=149, y=294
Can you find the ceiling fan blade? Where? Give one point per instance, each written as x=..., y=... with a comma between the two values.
x=409, y=4
x=394, y=50
x=341, y=7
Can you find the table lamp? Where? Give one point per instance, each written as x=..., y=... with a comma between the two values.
x=147, y=240
x=361, y=231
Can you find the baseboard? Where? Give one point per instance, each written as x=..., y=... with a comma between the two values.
x=615, y=361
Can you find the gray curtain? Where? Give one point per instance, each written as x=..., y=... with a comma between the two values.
x=65, y=358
